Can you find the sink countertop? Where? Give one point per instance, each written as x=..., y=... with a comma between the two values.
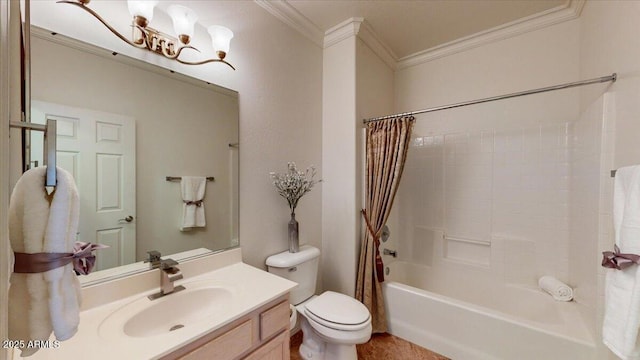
x=253, y=288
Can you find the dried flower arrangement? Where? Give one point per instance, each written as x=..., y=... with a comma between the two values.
x=293, y=184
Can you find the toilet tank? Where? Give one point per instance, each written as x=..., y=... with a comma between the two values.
x=300, y=267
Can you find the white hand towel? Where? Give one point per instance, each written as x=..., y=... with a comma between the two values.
x=622, y=287
x=43, y=302
x=193, y=188
x=556, y=288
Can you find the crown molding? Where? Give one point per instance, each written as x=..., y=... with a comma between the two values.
x=357, y=26
x=360, y=27
x=282, y=10
x=292, y=17
x=379, y=47
x=568, y=11
x=344, y=30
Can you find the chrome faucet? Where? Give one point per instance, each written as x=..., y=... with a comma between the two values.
x=169, y=273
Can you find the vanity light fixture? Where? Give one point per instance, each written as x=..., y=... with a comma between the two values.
x=184, y=20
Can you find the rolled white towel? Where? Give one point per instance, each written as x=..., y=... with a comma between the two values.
x=556, y=288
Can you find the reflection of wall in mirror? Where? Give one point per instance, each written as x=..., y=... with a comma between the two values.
x=181, y=129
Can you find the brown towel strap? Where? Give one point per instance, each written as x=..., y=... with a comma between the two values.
x=197, y=203
x=40, y=262
x=82, y=258
x=617, y=260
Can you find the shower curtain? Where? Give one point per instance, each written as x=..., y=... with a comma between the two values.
x=387, y=143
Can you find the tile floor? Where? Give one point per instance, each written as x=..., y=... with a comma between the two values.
x=380, y=347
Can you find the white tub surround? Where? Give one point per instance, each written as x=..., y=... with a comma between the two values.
x=524, y=323
x=110, y=305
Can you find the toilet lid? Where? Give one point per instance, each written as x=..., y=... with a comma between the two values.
x=338, y=311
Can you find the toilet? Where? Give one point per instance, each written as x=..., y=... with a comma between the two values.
x=332, y=323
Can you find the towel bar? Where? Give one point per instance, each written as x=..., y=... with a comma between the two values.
x=49, y=145
x=178, y=178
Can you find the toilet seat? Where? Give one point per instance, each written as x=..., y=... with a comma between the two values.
x=338, y=312
x=334, y=326
x=341, y=336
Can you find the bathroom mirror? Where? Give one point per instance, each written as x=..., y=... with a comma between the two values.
x=155, y=124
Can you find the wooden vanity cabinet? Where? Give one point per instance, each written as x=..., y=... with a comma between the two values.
x=260, y=335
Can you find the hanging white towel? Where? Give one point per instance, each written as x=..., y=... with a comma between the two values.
x=193, y=188
x=50, y=301
x=622, y=287
x=556, y=288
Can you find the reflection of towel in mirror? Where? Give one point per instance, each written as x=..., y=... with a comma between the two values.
x=193, y=188
x=622, y=287
x=40, y=303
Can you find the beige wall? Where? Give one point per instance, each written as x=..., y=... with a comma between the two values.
x=548, y=56
x=181, y=129
x=280, y=86
x=609, y=44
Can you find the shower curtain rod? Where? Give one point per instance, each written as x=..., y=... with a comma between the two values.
x=613, y=77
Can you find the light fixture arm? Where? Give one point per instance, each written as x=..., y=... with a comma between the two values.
x=152, y=43
x=94, y=14
x=149, y=39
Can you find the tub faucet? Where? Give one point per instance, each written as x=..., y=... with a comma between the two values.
x=390, y=252
x=169, y=273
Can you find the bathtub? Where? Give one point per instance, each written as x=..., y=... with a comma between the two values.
x=475, y=320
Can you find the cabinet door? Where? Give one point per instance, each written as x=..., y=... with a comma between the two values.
x=276, y=349
x=227, y=346
x=274, y=320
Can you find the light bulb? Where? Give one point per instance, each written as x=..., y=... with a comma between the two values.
x=221, y=38
x=184, y=21
x=142, y=9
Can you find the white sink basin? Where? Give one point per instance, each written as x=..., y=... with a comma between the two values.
x=196, y=306
x=176, y=311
